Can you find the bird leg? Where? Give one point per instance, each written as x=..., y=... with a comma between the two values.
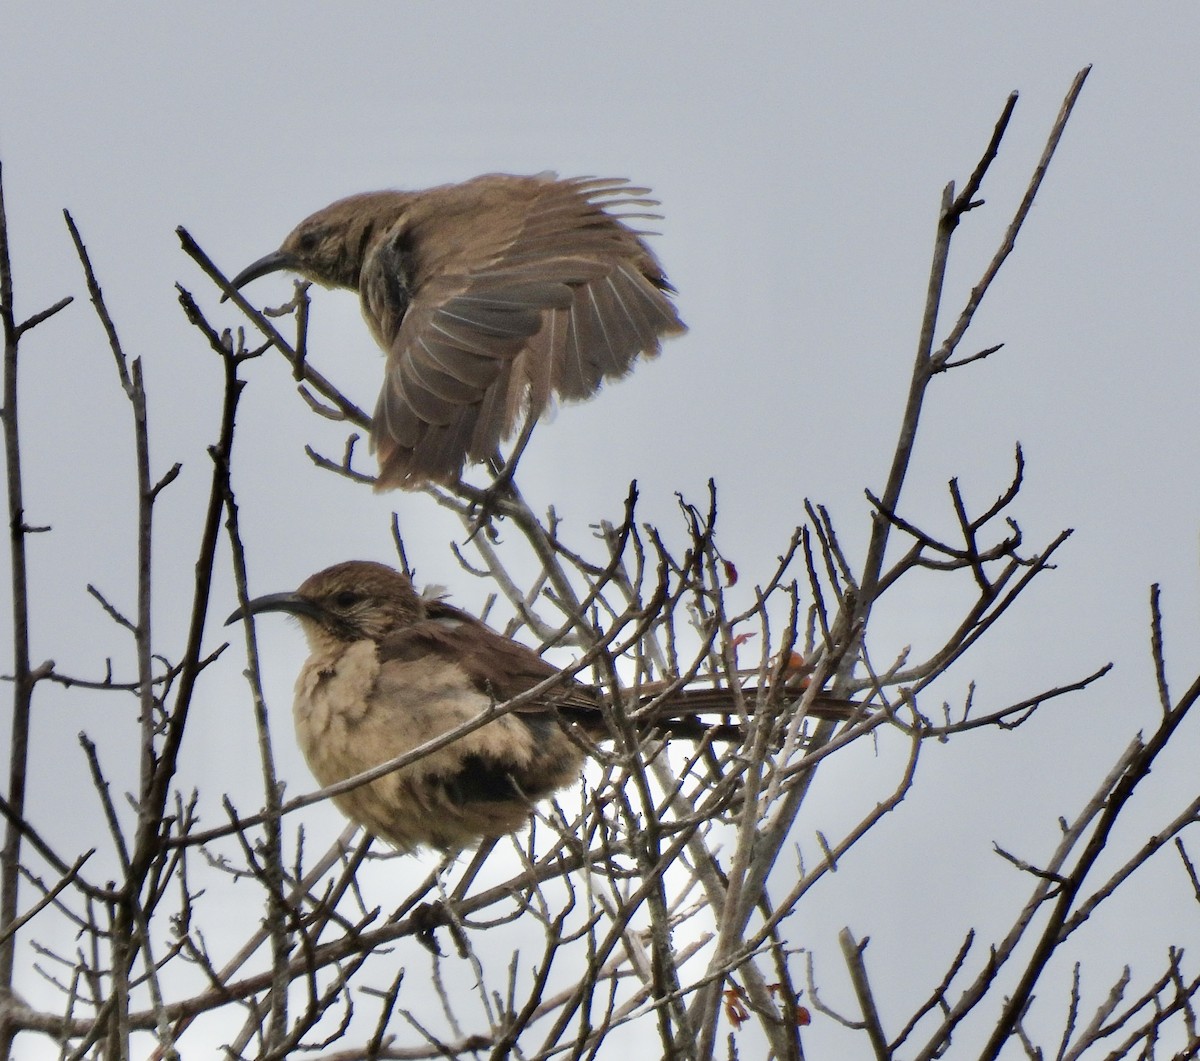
x=484, y=507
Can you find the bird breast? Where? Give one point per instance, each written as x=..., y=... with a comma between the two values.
x=333, y=690
x=352, y=713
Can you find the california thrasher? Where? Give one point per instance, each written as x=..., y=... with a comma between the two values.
x=489, y=299
x=390, y=670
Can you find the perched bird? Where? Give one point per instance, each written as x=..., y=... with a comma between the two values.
x=489, y=298
x=390, y=670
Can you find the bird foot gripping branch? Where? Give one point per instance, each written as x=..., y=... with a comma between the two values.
x=489, y=299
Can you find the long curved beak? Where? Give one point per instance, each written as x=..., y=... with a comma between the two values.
x=292, y=603
x=268, y=263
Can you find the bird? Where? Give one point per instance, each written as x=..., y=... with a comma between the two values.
x=390, y=670
x=489, y=298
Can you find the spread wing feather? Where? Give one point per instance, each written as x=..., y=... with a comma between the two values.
x=531, y=288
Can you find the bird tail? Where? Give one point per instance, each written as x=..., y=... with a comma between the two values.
x=712, y=712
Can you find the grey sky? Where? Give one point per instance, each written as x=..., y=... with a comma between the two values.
x=799, y=152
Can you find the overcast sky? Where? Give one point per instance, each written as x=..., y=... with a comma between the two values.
x=799, y=152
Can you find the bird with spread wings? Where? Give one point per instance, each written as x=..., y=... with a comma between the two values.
x=489, y=299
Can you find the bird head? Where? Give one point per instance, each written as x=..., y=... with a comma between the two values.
x=330, y=246
x=357, y=600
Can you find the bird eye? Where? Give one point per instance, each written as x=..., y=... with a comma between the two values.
x=347, y=599
x=308, y=240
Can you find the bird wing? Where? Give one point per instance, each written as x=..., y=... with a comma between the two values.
x=494, y=296
x=495, y=665
x=501, y=769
